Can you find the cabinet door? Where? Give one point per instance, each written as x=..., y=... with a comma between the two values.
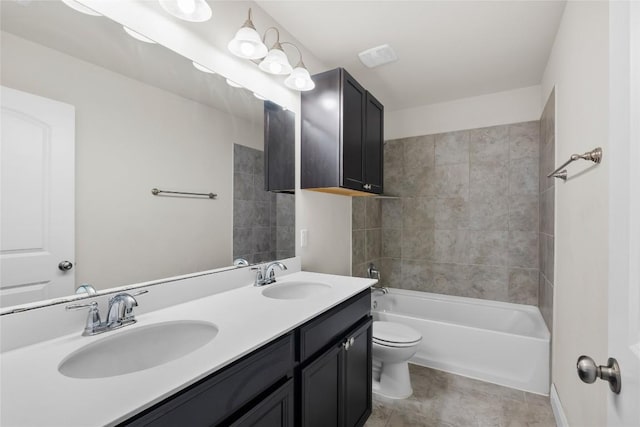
x=321, y=391
x=274, y=411
x=353, y=101
x=279, y=148
x=373, y=144
x=357, y=375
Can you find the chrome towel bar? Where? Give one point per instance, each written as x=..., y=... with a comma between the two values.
x=157, y=192
x=594, y=155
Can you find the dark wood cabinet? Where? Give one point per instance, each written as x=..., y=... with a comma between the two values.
x=320, y=390
x=357, y=375
x=336, y=386
x=279, y=149
x=317, y=375
x=373, y=143
x=214, y=399
x=276, y=410
x=342, y=136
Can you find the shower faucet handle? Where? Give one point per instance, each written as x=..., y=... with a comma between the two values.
x=373, y=272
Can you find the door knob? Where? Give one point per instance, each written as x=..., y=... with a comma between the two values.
x=65, y=265
x=588, y=372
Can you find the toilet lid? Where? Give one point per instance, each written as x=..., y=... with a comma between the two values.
x=393, y=332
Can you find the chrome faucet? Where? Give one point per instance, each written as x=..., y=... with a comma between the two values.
x=270, y=271
x=380, y=289
x=240, y=262
x=268, y=275
x=374, y=273
x=120, y=313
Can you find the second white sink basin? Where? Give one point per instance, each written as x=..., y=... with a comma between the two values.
x=137, y=349
x=295, y=290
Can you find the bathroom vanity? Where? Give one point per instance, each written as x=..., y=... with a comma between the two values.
x=317, y=375
x=296, y=352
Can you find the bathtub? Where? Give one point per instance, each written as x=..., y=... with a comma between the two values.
x=502, y=343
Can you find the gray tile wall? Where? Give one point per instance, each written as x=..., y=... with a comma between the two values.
x=547, y=211
x=366, y=237
x=263, y=222
x=466, y=218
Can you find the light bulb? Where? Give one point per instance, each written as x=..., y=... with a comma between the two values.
x=299, y=79
x=247, y=48
x=81, y=8
x=136, y=35
x=188, y=10
x=202, y=68
x=233, y=84
x=275, y=67
x=187, y=6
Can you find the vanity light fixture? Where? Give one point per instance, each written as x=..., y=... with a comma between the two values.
x=136, y=35
x=248, y=44
x=276, y=61
x=299, y=79
x=187, y=10
x=79, y=7
x=202, y=68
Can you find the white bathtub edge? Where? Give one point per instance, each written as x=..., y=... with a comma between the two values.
x=556, y=405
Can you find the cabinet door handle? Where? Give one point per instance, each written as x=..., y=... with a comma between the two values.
x=348, y=343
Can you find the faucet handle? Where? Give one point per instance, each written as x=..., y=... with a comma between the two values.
x=91, y=305
x=93, y=319
x=259, y=276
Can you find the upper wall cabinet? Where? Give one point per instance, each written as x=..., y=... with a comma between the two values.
x=279, y=149
x=342, y=132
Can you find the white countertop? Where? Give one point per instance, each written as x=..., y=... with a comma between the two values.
x=34, y=393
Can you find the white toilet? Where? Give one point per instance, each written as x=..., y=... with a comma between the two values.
x=393, y=345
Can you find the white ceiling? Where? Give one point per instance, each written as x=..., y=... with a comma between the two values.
x=447, y=49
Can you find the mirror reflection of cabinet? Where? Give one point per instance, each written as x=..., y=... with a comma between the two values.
x=279, y=149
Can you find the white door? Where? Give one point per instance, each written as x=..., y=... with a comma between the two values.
x=624, y=211
x=36, y=197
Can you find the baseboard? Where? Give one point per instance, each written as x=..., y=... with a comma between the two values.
x=556, y=405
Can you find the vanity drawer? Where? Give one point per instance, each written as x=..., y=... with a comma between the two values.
x=218, y=396
x=322, y=331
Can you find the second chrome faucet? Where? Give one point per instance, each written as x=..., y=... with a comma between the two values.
x=268, y=275
x=120, y=313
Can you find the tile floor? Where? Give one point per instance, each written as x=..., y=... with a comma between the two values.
x=447, y=400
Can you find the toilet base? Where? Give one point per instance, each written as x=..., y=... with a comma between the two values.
x=394, y=382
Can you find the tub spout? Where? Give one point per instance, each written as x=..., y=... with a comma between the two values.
x=383, y=290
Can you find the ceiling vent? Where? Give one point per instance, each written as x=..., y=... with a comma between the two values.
x=377, y=56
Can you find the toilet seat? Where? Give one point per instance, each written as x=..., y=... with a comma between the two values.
x=392, y=334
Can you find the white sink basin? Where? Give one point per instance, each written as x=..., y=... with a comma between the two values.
x=295, y=290
x=138, y=349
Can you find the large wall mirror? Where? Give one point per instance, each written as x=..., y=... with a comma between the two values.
x=93, y=119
